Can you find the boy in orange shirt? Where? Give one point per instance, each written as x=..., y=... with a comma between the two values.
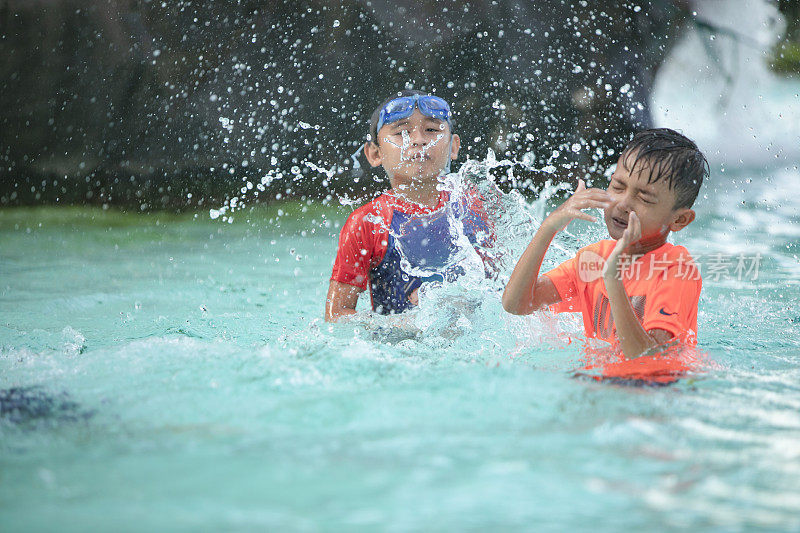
x=636, y=291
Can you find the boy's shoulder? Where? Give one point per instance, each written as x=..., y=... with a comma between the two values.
x=674, y=253
x=372, y=212
x=666, y=252
x=676, y=262
x=595, y=252
x=602, y=247
x=388, y=201
x=384, y=205
x=669, y=260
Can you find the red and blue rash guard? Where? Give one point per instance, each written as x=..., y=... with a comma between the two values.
x=369, y=251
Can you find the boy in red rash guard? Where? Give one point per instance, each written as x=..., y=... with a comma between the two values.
x=411, y=138
x=636, y=291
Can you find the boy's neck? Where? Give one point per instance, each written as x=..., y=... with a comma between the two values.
x=419, y=192
x=647, y=245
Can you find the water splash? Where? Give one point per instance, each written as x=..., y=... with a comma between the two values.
x=464, y=309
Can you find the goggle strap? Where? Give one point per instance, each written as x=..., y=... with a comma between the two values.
x=354, y=157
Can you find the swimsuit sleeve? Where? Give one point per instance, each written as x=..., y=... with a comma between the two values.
x=477, y=224
x=566, y=282
x=672, y=303
x=479, y=229
x=353, y=256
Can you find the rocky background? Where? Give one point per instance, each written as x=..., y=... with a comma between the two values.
x=151, y=104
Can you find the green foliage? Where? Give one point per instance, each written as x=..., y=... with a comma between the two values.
x=289, y=213
x=786, y=58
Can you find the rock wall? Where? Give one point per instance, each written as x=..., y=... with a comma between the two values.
x=149, y=104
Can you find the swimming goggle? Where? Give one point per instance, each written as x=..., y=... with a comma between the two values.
x=403, y=107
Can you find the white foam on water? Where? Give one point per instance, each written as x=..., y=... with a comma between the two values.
x=719, y=90
x=465, y=310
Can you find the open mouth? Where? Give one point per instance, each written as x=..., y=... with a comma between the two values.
x=620, y=222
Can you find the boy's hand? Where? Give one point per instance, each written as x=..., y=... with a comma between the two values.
x=582, y=198
x=632, y=234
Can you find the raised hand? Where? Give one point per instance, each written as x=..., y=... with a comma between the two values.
x=632, y=234
x=526, y=291
x=571, y=209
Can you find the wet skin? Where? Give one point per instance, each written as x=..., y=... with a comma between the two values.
x=654, y=205
x=414, y=151
x=638, y=214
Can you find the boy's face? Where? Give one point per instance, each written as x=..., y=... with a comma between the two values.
x=653, y=203
x=417, y=147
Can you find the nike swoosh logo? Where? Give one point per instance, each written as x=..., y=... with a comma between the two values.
x=665, y=313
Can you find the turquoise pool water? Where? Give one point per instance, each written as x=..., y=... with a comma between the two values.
x=177, y=376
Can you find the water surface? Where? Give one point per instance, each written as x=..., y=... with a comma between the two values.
x=194, y=386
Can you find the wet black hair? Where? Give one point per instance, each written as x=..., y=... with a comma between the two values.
x=376, y=115
x=671, y=156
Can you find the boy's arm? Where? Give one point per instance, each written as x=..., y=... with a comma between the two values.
x=633, y=338
x=351, y=266
x=526, y=291
x=341, y=300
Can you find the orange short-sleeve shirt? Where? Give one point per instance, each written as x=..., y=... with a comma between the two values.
x=663, y=286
